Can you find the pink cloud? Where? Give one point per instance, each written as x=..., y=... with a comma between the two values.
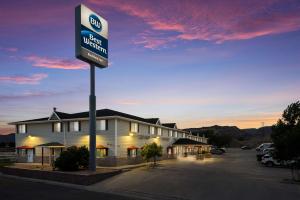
x=6, y=129
x=31, y=80
x=9, y=49
x=33, y=94
x=55, y=63
x=216, y=21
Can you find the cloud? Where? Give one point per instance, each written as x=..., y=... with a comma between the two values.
x=23, y=80
x=9, y=49
x=6, y=129
x=24, y=95
x=55, y=63
x=215, y=21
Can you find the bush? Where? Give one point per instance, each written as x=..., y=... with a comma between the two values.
x=151, y=151
x=72, y=159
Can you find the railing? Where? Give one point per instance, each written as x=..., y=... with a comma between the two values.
x=7, y=156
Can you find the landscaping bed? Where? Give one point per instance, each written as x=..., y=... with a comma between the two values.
x=81, y=177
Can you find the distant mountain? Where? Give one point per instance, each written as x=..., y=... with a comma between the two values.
x=251, y=137
x=7, y=138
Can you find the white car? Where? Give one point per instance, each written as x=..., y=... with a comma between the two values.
x=260, y=150
x=269, y=161
x=264, y=146
x=268, y=150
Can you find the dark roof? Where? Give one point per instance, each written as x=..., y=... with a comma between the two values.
x=62, y=115
x=170, y=125
x=51, y=144
x=152, y=120
x=99, y=113
x=186, y=141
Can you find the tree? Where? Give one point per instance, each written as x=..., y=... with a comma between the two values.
x=72, y=159
x=219, y=140
x=286, y=134
x=151, y=151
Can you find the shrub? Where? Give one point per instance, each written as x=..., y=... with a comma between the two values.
x=151, y=151
x=72, y=159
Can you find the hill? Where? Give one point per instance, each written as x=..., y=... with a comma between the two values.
x=7, y=138
x=251, y=137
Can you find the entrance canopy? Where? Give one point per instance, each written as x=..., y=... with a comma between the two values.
x=25, y=147
x=101, y=147
x=52, y=145
x=132, y=147
x=186, y=141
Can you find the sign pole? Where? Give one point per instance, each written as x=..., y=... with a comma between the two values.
x=92, y=120
x=91, y=46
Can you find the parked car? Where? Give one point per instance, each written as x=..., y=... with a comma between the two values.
x=223, y=149
x=269, y=161
x=216, y=151
x=260, y=150
x=268, y=150
x=263, y=146
x=245, y=147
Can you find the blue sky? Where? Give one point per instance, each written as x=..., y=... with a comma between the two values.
x=194, y=63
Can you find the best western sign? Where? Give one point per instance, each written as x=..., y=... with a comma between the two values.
x=91, y=37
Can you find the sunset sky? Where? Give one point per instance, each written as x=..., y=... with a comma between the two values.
x=196, y=63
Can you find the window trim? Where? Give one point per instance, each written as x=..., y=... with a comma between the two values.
x=137, y=127
x=151, y=128
x=70, y=126
x=53, y=127
x=101, y=128
x=170, y=133
x=159, y=132
x=25, y=128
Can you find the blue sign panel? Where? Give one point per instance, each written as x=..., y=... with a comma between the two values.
x=91, y=37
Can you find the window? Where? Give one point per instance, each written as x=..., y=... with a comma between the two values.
x=152, y=130
x=101, y=125
x=183, y=135
x=22, y=128
x=134, y=127
x=56, y=127
x=158, y=131
x=175, y=134
x=74, y=126
x=101, y=153
x=170, y=133
x=132, y=153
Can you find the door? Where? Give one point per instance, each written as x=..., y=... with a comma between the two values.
x=30, y=155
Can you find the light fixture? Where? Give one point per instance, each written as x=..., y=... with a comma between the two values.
x=157, y=137
x=130, y=134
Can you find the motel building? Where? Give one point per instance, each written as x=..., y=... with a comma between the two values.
x=119, y=137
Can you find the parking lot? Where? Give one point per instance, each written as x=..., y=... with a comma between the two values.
x=234, y=175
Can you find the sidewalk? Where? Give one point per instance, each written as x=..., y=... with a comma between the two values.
x=129, y=167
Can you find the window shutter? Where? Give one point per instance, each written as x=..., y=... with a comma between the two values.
x=79, y=124
x=61, y=126
x=68, y=126
x=138, y=128
x=17, y=127
x=52, y=127
x=106, y=125
x=25, y=128
x=130, y=126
